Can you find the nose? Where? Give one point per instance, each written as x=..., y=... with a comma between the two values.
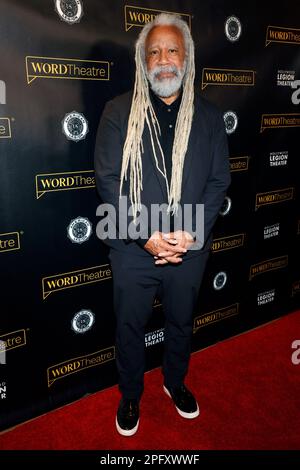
x=163, y=57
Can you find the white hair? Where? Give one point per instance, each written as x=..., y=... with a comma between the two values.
x=142, y=111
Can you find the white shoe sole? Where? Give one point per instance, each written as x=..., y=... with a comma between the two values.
x=183, y=413
x=127, y=432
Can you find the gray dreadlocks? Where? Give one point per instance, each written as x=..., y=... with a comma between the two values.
x=142, y=111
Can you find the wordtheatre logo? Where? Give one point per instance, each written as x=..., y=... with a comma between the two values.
x=239, y=163
x=226, y=206
x=227, y=77
x=220, y=280
x=296, y=94
x=77, y=364
x=296, y=354
x=2, y=92
x=278, y=158
x=282, y=35
x=13, y=340
x=285, y=77
x=136, y=16
x=154, y=337
x=231, y=121
x=83, y=321
x=81, y=277
x=273, y=121
x=9, y=241
x=79, y=230
x=5, y=128
x=64, y=68
x=271, y=231
x=233, y=28
x=266, y=297
x=75, y=126
x=215, y=316
x=70, y=11
x=273, y=264
x=228, y=243
x=66, y=181
x=274, y=197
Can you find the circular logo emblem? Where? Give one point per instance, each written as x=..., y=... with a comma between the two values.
x=226, y=206
x=70, y=11
x=83, y=321
x=231, y=121
x=220, y=280
x=75, y=126
x=233, y=28
x=79, y=230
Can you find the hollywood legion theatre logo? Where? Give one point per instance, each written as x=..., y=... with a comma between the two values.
x=231, y=122
x=233, y=28
x=82, y=321
x=70, y=11
x=75, y=126
x=220, y=280
x=79, y=230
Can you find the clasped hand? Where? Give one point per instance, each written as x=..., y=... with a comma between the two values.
x=169, y=247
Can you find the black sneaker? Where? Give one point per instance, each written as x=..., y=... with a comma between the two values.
x=127, y=419
x=184, y=401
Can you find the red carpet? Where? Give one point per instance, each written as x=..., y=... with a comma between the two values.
x=247, y=387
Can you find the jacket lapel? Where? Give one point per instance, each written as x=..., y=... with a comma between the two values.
x=191, y=150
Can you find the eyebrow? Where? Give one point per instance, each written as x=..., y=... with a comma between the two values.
x=152, y=46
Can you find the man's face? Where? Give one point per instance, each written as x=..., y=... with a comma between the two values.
x=165, y=60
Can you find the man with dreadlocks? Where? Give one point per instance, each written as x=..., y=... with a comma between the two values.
x=161, y=144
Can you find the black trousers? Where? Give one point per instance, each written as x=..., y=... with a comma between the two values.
x=136, y=281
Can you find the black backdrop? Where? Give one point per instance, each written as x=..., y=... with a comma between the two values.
x=59, y=66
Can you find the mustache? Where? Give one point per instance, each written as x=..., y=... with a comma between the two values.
x=169, y=69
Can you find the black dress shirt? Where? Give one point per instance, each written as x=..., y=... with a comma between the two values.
x=166, y=115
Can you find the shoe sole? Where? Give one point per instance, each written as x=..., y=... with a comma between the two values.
x=127, y=432
x=192, y=415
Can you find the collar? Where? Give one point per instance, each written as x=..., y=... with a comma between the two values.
x=157, y=101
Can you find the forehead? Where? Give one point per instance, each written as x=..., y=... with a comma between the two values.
x=160, y=35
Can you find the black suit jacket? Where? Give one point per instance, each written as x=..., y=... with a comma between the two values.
x=206, y=174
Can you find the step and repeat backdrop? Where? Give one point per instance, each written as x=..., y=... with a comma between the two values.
x=60, y=62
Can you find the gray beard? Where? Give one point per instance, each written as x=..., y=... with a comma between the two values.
x=167, y=86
